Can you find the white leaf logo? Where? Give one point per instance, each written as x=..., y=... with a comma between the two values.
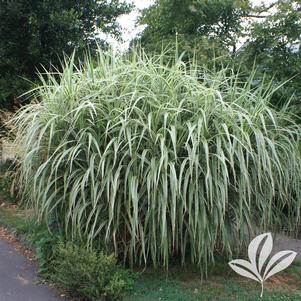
x=258, y=267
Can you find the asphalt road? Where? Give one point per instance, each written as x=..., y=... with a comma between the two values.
x=18, y=279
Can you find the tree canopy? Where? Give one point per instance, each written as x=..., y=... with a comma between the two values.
x=274, y=46
x=217, y=20
x=38, y=32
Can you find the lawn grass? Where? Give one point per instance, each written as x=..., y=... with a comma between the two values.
x=15, y=218
x=184, y=286
x=21, y=222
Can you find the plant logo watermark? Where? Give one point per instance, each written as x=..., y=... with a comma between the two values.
x=261, y=264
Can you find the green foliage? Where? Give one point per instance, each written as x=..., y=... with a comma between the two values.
x=45, y=245
x=158, y=161
x=274, y=43
x=37, y=32
x=89, y=274
x=217, y=21
x=7, y=189
x=209, y=52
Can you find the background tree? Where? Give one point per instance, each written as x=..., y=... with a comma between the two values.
x=201, y=25
x=38, y=32
x=274, y=46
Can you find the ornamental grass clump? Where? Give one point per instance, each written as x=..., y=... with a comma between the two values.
x=159, y=161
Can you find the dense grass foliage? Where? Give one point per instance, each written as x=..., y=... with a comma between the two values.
x=158, y=161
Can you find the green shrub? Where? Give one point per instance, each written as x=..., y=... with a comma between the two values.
x=158, y=161
x=89, y=274
x=45, y=245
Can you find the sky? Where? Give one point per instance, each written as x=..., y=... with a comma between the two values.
x=128, y=22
